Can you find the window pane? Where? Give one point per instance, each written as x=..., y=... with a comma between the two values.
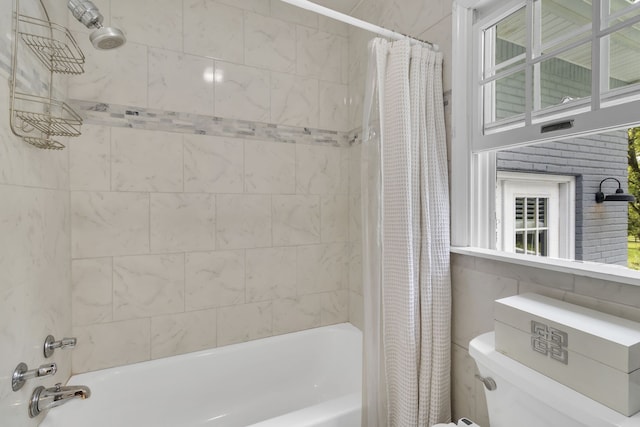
x=542, y=243
x=520, y=242
x=624, y=57
x=531, y=242
x=509, y=97
x=542, y=212
x=531, y=213
x=616, y=7
x=511, y=29
x=519, y=212
x=566, y=77
x=561, y=20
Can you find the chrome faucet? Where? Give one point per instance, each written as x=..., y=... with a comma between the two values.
x=47, y=398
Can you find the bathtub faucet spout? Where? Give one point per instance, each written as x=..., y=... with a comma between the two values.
x=47, y=398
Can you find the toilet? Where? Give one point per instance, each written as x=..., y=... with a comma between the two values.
x=522, y=397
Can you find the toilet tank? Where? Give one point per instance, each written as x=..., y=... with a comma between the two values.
x=525, y=398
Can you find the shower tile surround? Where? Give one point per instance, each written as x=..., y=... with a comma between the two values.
x=210, y=187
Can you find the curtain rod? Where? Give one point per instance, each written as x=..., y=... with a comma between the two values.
x=347, y=19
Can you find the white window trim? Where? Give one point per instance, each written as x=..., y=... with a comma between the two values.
x=464, y=237
x=566, y=185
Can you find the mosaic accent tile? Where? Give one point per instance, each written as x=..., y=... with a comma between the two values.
x=170, y=121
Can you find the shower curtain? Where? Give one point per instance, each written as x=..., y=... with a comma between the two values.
x=405, y=199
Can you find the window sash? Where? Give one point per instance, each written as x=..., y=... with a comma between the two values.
x=487, y=133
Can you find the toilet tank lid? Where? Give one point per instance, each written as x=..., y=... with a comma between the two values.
x=546, y=390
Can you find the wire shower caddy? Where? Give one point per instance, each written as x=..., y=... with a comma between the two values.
x=38, y=119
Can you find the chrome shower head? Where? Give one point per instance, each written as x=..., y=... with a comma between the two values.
x=107, y=38
x=89, y=15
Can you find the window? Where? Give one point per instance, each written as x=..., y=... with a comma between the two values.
x=549, y=69
x=554, y=87
x=535, y=214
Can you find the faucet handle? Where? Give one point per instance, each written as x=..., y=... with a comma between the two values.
x=22, y=373
x=50, y=344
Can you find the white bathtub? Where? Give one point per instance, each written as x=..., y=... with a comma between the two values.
x=308, y=378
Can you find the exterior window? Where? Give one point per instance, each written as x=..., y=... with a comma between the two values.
x=535, y=214
x=542, y=61
x=554, y=87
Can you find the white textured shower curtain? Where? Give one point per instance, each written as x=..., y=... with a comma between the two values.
x=405, y=199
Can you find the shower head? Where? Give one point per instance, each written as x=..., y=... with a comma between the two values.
x=89, y=15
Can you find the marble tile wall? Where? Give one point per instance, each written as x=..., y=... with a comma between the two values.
x=477, y=282
x=209, y=190
x=35, y=294
x=258, y=60
x=182, y=242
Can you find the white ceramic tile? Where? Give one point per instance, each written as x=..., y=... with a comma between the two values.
x=333, y=108
x=322, y=268
x=180, y=82
x=91, y=291
x=241, y=92
x=332, y=26
x=269, y=43
x=213, y=29
x=46, y=168
x=355, y=218
x=294, y=100
x=335, y=218
x=258, y=6
x=473, y=294
x=356, y=310
x=12, y=149
x=355, y=268
x=143, y=160
x=271, y=274
x=183, y=333
x=111, y=344
x=412, y=17
x=243, y=221
x=89, y=159
x=296, y=220
x=335, y=307
x=213, y=164
x=182, y=222
x=147, y=285
x=296, y=314
x=117, y=76
x=318, y=169
x=296, y=15
x=214, y=279
x=269, y=167
x=244, y=322
x=155, y=23
x=319, y=54
x=105, y=224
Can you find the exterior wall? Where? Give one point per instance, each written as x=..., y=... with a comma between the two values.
x=601, y=229
x=477, y=282
x=34, y=224
x=183, y=240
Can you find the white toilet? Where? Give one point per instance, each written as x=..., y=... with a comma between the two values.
x=525, y=398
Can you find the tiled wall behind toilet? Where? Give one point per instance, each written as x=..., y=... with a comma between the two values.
x=185, y=240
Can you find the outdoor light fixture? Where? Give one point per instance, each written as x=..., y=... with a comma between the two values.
x=619, y=196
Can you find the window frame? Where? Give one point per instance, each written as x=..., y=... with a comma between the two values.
x=473, y=168
x=598, y=113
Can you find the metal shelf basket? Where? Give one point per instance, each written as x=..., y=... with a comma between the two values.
x=56, y=117
x=59, y=53
x=36, y=118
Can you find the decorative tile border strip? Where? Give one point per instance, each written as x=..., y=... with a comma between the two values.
x=169, y=121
